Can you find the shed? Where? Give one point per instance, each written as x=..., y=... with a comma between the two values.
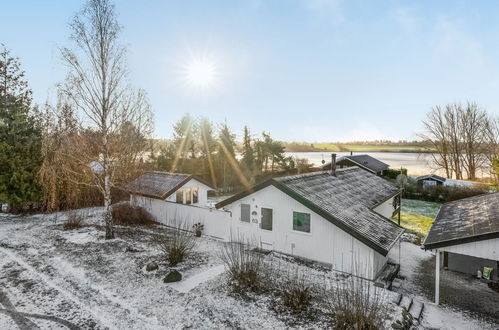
x=430, y=180
x=466, y=232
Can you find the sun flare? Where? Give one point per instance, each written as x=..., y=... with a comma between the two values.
x=201, y=73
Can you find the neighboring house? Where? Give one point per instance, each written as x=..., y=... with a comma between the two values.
x=430, y=180
x=365, y=162
x=172, y=187
x=180, y=201
x=466, y=232
x=339, y=217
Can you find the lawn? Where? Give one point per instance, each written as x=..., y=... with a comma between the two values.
x=418, y=215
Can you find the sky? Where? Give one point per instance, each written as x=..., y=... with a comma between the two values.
x=303, y=70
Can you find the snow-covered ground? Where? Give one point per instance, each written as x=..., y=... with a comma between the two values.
x=57, y=279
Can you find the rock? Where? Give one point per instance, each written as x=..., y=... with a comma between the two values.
x=173, y=276
x=151, y=266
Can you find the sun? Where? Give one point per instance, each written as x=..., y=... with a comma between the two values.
x=201, y=73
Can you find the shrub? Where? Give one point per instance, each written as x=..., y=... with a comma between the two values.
x=245, y=267
x=127, y=215
x=177, y=246
x=357, y=305
x=393, y=173
x=442, y=193
x=75, y=219
x=296, y=294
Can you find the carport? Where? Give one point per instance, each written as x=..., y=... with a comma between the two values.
x=465, y=237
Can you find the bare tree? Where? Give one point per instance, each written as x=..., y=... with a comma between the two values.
x=108, y=107
x=436, y=134
x=465, y=139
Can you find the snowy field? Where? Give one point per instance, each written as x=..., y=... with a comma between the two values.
x=51, y=278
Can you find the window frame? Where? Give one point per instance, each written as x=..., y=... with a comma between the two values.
x=179, y=193
x=188, y=196
x=271, y=218
x=309, y=232
x=249, y=212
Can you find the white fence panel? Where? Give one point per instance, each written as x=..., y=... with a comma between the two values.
x=216, y=223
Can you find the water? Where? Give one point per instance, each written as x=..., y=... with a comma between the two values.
x=416, y=164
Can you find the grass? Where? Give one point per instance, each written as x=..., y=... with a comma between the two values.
x=418, y=215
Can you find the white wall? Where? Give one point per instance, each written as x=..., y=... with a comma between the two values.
x=192, y=183
x=385, y=209
x=487, y=249
x=216, y=222
x=325, y=243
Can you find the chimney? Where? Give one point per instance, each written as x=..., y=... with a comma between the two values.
x=333, y=164
x=351, y=153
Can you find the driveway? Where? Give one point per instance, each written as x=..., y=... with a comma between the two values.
x=460, y=293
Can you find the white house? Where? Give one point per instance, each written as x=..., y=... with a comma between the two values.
x=339, y=217
x=466, y=234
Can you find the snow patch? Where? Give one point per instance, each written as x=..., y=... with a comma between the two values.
x=202, y=276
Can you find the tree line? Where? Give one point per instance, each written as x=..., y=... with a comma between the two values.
x=465, y=138
x=211, y=151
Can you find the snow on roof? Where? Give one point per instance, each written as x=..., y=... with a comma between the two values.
x=465, y=220
x=346, y=200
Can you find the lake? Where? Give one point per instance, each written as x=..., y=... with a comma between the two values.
x=416, y=164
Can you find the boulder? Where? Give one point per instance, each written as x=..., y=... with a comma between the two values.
x=173, y=276
x=151, y=266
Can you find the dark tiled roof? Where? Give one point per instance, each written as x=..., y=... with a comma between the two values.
x=346, y=200
x=158, y=184
x=465, y=220
x=365, y=161
x=431, y=176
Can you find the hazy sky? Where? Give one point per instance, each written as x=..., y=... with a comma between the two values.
x=304, y=70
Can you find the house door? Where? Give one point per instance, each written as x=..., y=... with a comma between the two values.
x=266, y=229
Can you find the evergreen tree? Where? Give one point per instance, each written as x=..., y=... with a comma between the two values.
x=207, y=147
x=248, y=159
x=227, y=155
x=19, y=136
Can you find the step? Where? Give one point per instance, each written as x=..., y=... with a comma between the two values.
x=406, y=302
x=395, y=297
x=416, y=309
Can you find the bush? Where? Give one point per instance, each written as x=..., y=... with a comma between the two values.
x=177, y=246
x=127, y=215
x=442, y=193
x=75, y=219
x=245, y=267
x=296, y=294
x=357, y=305
x=392, y=173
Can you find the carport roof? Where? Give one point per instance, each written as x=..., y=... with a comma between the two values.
x=465, y=220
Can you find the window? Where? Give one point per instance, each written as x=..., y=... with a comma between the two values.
x=180, y=196
x=195, y=195
x=245, y=212
x=188, y=196
x=301, y=222
x=266, y=222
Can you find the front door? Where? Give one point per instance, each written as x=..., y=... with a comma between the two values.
x=266, y=228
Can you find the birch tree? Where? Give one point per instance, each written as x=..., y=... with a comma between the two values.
x=97, y=85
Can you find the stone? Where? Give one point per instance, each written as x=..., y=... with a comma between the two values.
x=173, y=276
x=151, y=266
